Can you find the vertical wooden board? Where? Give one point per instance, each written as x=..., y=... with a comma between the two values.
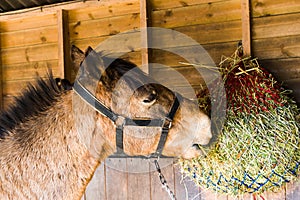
x=211, y=195
x=116, y=180
x=144, y=35
x=138, y=179
x=241, y=197
x=1, y=78
x=293, y=191
x=64, y=57
x=246, y=27
x=281, y=194
x=157, y=192
x=96, y=188
x=185, y=188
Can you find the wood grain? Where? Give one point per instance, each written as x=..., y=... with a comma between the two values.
x=167, y=4
x=104, y=26
x=261, y=8
x=27, y=37
x=116, y=180
x=210, y=13
x=276, y=26
x=28, y=23
x=30, y=54
x=96, y=188
x=104, y=11
x=138, y=179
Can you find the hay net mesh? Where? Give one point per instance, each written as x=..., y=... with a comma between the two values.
x=258, y=147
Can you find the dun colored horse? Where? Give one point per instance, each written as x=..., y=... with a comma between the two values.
x=51, y=141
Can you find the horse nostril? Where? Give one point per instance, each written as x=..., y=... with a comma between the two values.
x=196, y=146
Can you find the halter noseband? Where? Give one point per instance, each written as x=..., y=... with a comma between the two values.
x=121, y=121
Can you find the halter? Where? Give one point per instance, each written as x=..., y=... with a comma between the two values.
x=121, y=121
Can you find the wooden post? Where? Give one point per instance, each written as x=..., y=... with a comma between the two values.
x=246, y=27
x=144, y=35
x=1, y=80
x=64, y=44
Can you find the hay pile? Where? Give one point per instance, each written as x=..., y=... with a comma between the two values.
x=258, y=147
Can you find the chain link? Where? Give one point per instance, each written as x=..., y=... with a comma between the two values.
x=164, y=181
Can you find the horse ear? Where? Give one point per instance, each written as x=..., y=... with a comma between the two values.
x=77, y=57
x=88, y=51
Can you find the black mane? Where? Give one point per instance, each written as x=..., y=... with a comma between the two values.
x=34, y=99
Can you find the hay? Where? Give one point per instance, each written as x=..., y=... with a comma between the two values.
x=258, y=147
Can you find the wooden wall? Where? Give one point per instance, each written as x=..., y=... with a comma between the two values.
x=32, y=42
x=28, y=46
x=276, y=39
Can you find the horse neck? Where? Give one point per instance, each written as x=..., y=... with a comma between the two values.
x=44, y=158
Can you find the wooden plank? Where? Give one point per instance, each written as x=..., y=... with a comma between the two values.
x=130, y=42
x=52, y=9
x=138, y=179
x=104, y=27
x=96, y=188
x=1, y=75
x=12, y=88
x=276, y=26
x=30, y=54
x=283, y=47
x=210, y=13
x=185, y=188
x=274, y=7
x=168, y=40
x=279, y=195
x=105, y=11
x=212, y=195
x=116, y=180
x=167, y=169
x=228, y=48
x=144, y=35
x=27, y=37
x=167, y=4
x=179, y=76
x=27, y=71
x=293, y=190
x=246, y=27
x=7, y=101
x=210, y=33
x=29, y=23
x=64, y=55
x=282, y=69
x=293, y=84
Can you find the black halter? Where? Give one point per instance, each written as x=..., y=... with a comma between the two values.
x=121, y=121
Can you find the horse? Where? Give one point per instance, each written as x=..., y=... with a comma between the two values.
x=52, y=140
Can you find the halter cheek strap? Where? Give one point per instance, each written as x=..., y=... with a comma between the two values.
x=121, y=121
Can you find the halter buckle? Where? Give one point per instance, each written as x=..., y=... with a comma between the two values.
x=120, y=121
x=167, y=123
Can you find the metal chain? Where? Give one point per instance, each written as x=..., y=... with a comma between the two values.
x=164, y=181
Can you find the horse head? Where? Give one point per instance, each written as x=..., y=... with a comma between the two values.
x=127, y=91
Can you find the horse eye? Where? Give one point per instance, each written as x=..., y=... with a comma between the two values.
x=152, y=97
